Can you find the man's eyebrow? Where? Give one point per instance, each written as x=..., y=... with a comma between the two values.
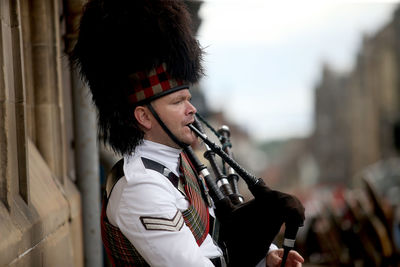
x=181, y=97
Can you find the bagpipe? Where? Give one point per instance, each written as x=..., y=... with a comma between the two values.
x=247, y=229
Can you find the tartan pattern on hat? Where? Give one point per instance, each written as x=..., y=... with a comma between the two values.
x=146, y=85
x=196, y=216
x=119, y=249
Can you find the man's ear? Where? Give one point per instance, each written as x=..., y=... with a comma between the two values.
x=142, y=117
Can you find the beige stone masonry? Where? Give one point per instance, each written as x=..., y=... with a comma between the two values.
x=42, y=234
x=40, y=209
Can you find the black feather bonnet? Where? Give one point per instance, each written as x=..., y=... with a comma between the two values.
x=121, y=39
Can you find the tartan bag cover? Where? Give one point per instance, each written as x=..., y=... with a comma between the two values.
x=119, y=249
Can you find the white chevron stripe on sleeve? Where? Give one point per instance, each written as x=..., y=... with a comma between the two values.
x=156, y=223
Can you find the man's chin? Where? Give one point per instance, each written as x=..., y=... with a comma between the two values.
x=190, y=139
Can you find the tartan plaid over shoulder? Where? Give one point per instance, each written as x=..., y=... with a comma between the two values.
x=120, y=250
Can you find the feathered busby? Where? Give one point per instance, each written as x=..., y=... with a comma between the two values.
x=129, y=52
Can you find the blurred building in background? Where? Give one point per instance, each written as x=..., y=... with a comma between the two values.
x=347, y=172
x=353, y=204
x=355, y=113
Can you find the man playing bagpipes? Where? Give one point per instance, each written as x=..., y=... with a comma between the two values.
x=139, y=58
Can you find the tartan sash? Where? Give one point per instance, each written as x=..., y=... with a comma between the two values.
x=196, y=216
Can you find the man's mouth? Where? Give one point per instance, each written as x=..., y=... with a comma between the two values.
x=189, y=123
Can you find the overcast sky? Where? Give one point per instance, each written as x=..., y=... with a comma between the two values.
x=264, y=57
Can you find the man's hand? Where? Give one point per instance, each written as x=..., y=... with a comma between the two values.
x=274, y=258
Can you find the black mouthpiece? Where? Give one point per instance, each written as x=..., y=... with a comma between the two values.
x=198, y=125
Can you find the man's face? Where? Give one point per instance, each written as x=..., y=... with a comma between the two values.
x=176, y=111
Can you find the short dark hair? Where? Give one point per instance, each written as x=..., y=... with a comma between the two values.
x=119, y=37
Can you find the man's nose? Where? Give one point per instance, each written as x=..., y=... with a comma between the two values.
x=191, y=109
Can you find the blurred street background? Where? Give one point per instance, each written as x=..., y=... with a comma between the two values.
x=311, y=92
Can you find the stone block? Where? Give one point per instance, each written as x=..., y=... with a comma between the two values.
x=34, y=235
x=45, y=194
x=74, y=199
x=55, y=250
x=43, y=74
x=10, y=237
x=48, y=134
x=5, y=12
x=7, y=59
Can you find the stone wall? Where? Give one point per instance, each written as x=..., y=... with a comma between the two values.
x=40, y=212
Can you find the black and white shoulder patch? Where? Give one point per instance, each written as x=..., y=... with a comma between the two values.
x=163, y=224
